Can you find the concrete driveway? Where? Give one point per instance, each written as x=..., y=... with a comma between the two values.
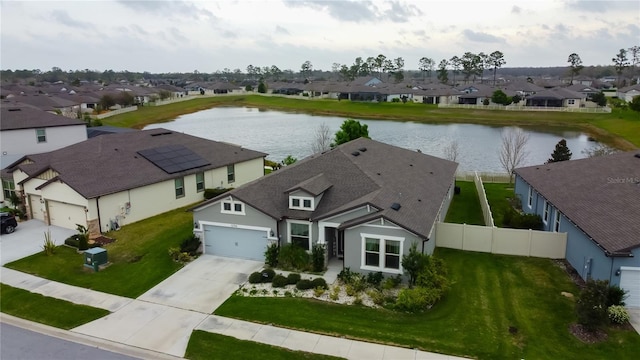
x=28, y=239
x=163, y=318
x=634, y=314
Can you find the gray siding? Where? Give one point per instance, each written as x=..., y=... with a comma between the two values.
x=252, y=217
x=348, y=216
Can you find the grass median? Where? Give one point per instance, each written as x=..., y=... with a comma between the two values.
x=499, y=307
x=139, y=257
x=46, y=310
x=621, y=128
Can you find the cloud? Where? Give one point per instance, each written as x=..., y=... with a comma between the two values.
x=481, y=37
x=360, y=11
x=177, y=34
x=589, y=6
x=168, y=8
x=282, y=31
x=516, y=9
x=63, y=17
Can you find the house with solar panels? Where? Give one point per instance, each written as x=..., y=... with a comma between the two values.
x=115, y=179
x=365, y=201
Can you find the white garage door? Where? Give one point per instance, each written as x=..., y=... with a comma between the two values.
x=235, y=242
x=66, y=215
x=630, y=281
x=36, y=207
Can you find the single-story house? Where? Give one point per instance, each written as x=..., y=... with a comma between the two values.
x=116, y=179
x=596, y=201
x=365, y=201
x=557, y=97
x=628, y=93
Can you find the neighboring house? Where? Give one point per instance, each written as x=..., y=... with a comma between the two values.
x=596, y=201
x=112, y=180
x=557, y=97
x=366, y=202
x=475, y=94
x=106, y=130
x=587, y=91
x=628, y=93
x=28, y=130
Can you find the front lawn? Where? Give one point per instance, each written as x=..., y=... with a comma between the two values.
x=46, y=310
x=498, y=196
x=499, y=307
x=465, y=207
x=205, y=345
x=139, y=257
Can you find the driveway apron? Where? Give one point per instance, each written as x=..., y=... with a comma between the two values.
x=28, y=239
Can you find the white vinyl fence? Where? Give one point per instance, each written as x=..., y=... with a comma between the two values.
x=484, y=203
x=487, y=177
x=504, y=241
x=528, y=108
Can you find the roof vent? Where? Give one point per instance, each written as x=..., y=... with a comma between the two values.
x=355, y=153
x=395, y=206
x=14, y=109
x=363, y=149
x=162, y=133
x=637, y=155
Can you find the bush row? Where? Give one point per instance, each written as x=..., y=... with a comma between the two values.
x=280, y=281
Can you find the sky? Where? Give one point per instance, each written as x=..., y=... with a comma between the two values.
x=185, y=36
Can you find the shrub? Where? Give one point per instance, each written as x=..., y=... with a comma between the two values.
x=317, y=292
x=304, y=284
x=616, y=295
x=317, y=257
x=49, y=245
x=417, y=299
x=190, y=245
x=335, y=293
x=357, y=301
x=319, y=283
x=292, y=257
x=350, y=290
x=174, y=252
x=414, y=262
x=211, y=193
x=255, y=278
x=271, y=255
x=288, y=294
x=346, y=275
x=184, y=257
x=279, y=281
x=267, y=275
x=375, y=278
x=72, y=241
x=515, y=220
x=618, y=314
x=591, y=304
x=376, y=296
x=293, y=278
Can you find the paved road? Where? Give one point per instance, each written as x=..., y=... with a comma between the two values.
x=21, y=344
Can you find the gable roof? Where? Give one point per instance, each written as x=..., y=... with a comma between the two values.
x=361, y=172
x=110, y=163
x=16, y=116
x=600, y=195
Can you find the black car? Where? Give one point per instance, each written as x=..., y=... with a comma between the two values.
x=9, y=223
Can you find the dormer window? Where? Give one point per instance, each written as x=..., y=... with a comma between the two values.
x=301, y=203
x=231, y=206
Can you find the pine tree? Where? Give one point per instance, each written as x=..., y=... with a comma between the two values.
x=560, y=153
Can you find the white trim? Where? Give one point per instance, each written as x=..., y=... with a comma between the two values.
x=321, y=230
x=546, y=210
x=232, y=202
x=202, y=223
x=382, y=239
x=301, y=200
x=308, y=223
x=530, y=197
x=556, y=221
x=369, y=224
x=353, y=210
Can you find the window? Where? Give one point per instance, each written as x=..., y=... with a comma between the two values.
x=41, y=135
x=299, y=233
x=199, y=182
x=381, y=253
x=301, y=203
x=571, y=101
x=8, y=188
x=179, y=184
x=556, y=223
x=545, y=216
x=530, y=197
x=233, y=207
x=231, y=173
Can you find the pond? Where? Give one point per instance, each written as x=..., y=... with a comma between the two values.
x=280, y=134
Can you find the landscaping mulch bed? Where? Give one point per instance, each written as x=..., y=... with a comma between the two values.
x=586, y=336
x=103, y=240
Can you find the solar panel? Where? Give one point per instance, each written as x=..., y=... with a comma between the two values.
x=173, y=158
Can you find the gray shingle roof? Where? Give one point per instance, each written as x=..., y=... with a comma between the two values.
x=600, y=195
x=16, y=116
x=378, y=176
x=110, y=163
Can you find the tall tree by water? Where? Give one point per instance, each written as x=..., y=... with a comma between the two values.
x=513, y=152
x=426, y=66
x=496, y=60
x=560, y=153
x=575, y=64
x=620, y=62
x=350, y=130
x=443, y=73
x=455, y=64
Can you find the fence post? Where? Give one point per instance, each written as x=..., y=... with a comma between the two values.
x=464, y=234
x=530, y=238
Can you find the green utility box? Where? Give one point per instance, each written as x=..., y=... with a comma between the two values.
x=95, y=257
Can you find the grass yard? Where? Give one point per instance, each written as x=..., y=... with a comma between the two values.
x=497, y=194
x=489, y=294
x=46, y=310
x=465, y=207
x=621, y=128
x=205, y=345
x=139, y=257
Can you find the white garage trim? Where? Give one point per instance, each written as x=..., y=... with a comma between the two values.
x=247, y=227
x=630, y=281
x=36, y=207
x=244, y=242
x=66, y=215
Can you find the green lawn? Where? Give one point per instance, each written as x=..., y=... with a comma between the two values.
x=465, y=207
x=205, y=345
x=139, y=257
x=621, y=128
x=490, y=294
x=497, y=195
x=46, y=310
